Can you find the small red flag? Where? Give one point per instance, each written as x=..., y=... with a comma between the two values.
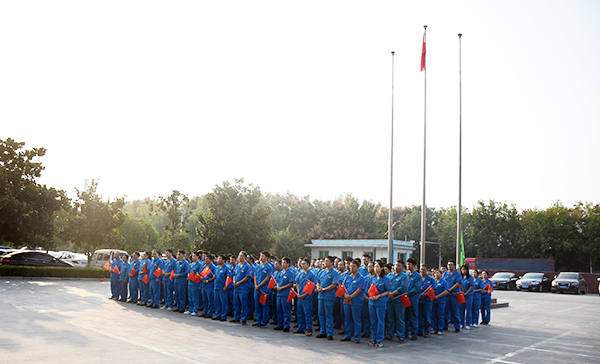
x=309, y=287
x=157, y=272
x=205, y=272
x=116, y=270
x=102, y=280
x=197, y=278
x=291, y=295
x=460, y=297
x=489, y=288
x=423, y=55
x=405, y=300
x=144, y=268
x=271, y=283
x=430, y=293
x=107, y=265
x=373, y=290
x=191, y=276
x=228, y=281
x=341, y=290
x=146, y=279
x=132, y=272
x=172, y=275
x=263, y=298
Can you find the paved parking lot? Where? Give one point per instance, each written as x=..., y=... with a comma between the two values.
x=73, y=321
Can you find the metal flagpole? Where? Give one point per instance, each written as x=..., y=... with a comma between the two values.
x=423, y=206
x=459, y=208
x=390, y=232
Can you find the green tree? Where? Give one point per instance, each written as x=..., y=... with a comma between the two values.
x=27, y=209
x=174, y=234
x=493, y=231
x=237, y=218
x=590, y=232
x=139, y=234
x=289, y=245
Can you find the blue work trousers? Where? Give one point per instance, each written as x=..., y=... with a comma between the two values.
x=194, y=297
x=353, y=318
x=326, y=317
x=208, y=299
x=305, y=314
x=395, y=319
x=263, y=312
x=240, y=305
x=437, y=315
x=284, y=313
x=424, y=318
x=221, y=304
x=377, y=315
x=133, y=289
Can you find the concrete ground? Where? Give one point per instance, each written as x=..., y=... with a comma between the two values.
x=73, y=321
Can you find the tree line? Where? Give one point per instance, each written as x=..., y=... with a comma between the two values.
x=238, y=216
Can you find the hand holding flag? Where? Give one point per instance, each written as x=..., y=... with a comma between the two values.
x=106, y=265
x=205, y=272
x=146, y=279
x=263, y=298
x=228, y=281
x=460, y=297
x=489, y=288
x=271, y=283
x=308, y=287
x=373, y=291
x=430, y=293
x=172, y=275
x=405, y=300
x=132, y=272
x=158, y=272
x=291, y=295
x=116, y=270
x=341, y=290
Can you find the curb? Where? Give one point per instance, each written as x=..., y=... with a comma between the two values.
x=50, y=278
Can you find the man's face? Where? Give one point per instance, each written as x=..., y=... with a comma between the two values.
x=398, y=267
x=116, y=255
x=263, y=258
x=220, y=261
x=410, y=266
x=423, y=271
x=232, y=260
x=451, y=267
x=304, y=265
x=179, y=256
x=154, y=254
x=366, y=261
x=285, y=265
x=353, y=268
x=169, y=255
x=278, y=265
x=437, y=274
x=136, y=256
x=328, y=263
x=371, y=268
x=341, y=266
x=241, y=258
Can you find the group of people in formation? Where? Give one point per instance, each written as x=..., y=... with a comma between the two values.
x=365, y=298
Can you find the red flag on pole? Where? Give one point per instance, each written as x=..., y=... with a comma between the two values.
x=405, y=300
x=430, y=293
x=460, y=297
x=172, y=275
x=309, y=287
x=489, y=288
x=116, y=270
x=197, y=278
x=107, y=265
x=228, y=281
x=341, y=290
x=263, y=298
x=146, y=279
x=373, y=290
x=206, y=271
x=423, y=55
x=157, y=272
x=132, y=272
x=271, y=283
x=291, y=295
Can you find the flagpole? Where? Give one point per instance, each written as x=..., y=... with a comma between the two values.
x=459, y=208
x=390, y=232
x=423, y=206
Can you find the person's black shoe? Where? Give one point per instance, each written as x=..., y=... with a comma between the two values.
x=223, y=320
x=278, y=328
x=345, y=339
x=366, y=335
x=297, y=332
x=256, y=325
x=215, y=318
x=155, y=306
x=329, y=337
x=457, y=330
x=342, y=332
x=286, y=330
x=321, y=336
x=413, y=338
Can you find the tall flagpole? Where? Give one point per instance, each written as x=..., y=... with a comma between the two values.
x=390, y=232
x=423, y=206
x=459, y=208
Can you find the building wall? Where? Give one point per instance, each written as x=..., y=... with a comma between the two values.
x=356, y=252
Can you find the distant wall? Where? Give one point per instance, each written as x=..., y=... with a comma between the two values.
x=590, y=278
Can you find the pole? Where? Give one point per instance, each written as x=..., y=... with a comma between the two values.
x=390, y=232
x=423, y=206
x=459, y=207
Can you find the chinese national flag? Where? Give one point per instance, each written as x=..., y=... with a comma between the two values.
x=144, y=268
x=373, y=290
x=271, y=283
x=107, y=265
x=341, y=290
x=423, y=55
x=132, y=272
x=116, y=270
x=197, y=278
x=309, y=287
x=228, y=281
x=157, y=272
x=205, y=272
x=291, y=295
x=489, y=288
x=172, y=275
x=191, y=276
x=146, y=279
x=405, y=300
x=460, y=297
x=430, y=293
x=263, y=298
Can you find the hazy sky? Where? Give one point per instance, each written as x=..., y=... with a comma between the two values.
x=149, y=96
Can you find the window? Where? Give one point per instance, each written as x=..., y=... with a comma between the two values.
x=323, y=254
x=402, y=257
x=346, y=255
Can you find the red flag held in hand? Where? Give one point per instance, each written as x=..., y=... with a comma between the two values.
x=157, y=272
x=489, y=288
x=144, y=268
x=116, y=270
x=405, y=300
x=291, y=295
x=132, y=272
x=172, y=275
x=373, y=290
x=191, y=276
x=341, y=290
x=205, y=272
x=107, y=265
x=146, y=279
x=197, y=278
x=228, y=281
x=271, y=283
x=263, y=298
x=460, y=297
x=308, y=287
x=430, y=293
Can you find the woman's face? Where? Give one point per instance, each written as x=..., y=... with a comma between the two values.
x=378, y=269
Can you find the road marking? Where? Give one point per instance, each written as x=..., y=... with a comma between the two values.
x=566, y=353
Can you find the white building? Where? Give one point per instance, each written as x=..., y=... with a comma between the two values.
x=378, y=249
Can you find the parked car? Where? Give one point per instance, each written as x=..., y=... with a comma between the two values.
x=504, y=280
x=569, y=282
x=533, y=282
x=32, y=259
x=101, y=256
x=78, y=260
x=6, y=251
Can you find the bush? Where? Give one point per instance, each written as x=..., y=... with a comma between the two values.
x=22, y=271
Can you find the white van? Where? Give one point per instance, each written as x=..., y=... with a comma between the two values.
x=101, y=256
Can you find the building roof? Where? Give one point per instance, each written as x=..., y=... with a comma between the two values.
x=359, y=243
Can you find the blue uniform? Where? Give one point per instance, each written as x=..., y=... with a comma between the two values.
x=208, y=290
x=377, y=308
x=240, y=293
x=181, y=272
x=452, y=314
x=466, y=309
x=425, y=306
x=144, y=287
x=353, y=308
x=411, y=316
x=305, y=305
x=115, y=288
x=439, y=306
x=284, y=314
x=155, y=281
x=221, y=299
x=133, y=281
x=263, y=312
x=325, y=279
x=486, y=301
x=395, y=309
x=168, y=285
x=193, y=288
x=124, y=279
x=476, y=301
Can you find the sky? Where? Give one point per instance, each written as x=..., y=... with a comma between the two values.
x=148, y=97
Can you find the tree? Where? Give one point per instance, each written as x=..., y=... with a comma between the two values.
x=93, y=223
x=27, y=209
x=493, y=231
x=589, y=226
x=289, y=245
x=174, y=234
x=237, y=218
x=336, y=221
x=139, y=234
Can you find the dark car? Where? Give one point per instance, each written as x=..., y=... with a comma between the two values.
x=569, y=282
x=504, y=280
x=32, y=259
x=533, y=282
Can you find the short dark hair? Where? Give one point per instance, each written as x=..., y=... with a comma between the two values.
x=169, y=251
x=349, y=259
x=452, y=261
x=287, y=260
x=356, y=263
x=266, y=254
x=244, y=254
x=181, y=251
x=367, y=255
x=330, y=258
x=401, y=262
x=411, y=260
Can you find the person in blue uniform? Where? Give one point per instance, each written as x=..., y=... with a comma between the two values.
x=327, y=284
x=453, y=278
x=477, y=288
x=305, y=300
x=284, y=283
x=414, y=290
x=486, y=298
x=364, y=269
x=168, y=285
x=145, y=265
x=133, y=281
x=208, y=286
x=193, y=288
x=439, y=303
x=353, y=300
x=395, y=309
x=157, y=263
x=242, y=274
x=124, y=278
x=221, y=273
x=115, y=288
x=377, y=304
x=466, y=309
x=262, y=275
x=366, y=326
x=425, y=303
x=231, y=263
x=180, y=278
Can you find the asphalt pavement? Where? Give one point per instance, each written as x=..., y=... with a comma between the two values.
x=54, y=321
